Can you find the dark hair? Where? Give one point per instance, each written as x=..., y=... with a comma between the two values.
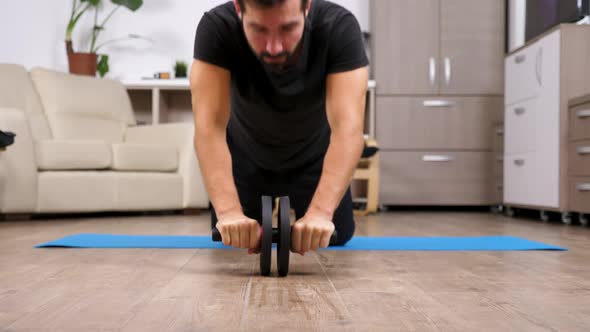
x=267, y=3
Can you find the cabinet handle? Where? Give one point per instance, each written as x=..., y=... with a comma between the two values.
x=520, y=58
x=583, y=114
x=519, y=110
x=500, y=131
x=519, y=162
x=437, y=158
x=500, y=159
x=500, y=186
x=583, y=187
x=447, y=71
x=438, y=103
x=539, y=66
x=583, y=150
x=432, y=71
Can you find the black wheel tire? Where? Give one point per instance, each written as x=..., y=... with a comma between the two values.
x=284, y=243
x=266, y=240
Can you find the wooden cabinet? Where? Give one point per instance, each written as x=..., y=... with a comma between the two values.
x=438, y=46
x=579, y=157
x=438, y=65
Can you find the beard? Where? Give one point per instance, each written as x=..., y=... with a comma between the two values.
x=271, y=60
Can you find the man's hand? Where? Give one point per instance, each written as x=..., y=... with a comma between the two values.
x=239, y=231
x=311, y=232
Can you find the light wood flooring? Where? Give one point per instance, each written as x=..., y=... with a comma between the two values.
x=221, y=290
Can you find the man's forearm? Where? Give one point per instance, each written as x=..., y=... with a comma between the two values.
x=340, y=163
x=216, y=167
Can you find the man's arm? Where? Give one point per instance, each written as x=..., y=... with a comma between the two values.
x=210, y=89
x=345, y=108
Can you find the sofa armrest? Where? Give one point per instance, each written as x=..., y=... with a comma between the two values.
x=18, y=167
x=180, y=135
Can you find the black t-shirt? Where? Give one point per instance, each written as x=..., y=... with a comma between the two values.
x=280, y=120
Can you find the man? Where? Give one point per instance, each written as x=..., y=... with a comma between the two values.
x=278, y=91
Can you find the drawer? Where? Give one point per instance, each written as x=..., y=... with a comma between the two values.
x=442, y=178
x=580, y=122
x=518, y=179
x=498, y=139
x=522, y=77
x=521, y=127
x=415, y=123
x=579, y=194
x=579, y=158
x=498, y=164
x=529, y=179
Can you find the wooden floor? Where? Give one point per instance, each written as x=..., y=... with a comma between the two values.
x=220, y=290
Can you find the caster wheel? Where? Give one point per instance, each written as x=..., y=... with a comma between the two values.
x=583, y=219
x=566, y=218
x=509, y=212
x=544, y=216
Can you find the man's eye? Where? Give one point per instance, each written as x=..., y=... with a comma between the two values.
x=289, y=28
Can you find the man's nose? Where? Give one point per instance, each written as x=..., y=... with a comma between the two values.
x=274, y=46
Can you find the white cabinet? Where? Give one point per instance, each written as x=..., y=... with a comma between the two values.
x=540, y=78
x=532, y=124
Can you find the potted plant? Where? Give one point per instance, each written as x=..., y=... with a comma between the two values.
x=85, y=63
x=180, y=68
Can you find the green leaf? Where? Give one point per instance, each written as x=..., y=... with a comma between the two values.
x=102, y=67
x=133, y=5
x=92, y=2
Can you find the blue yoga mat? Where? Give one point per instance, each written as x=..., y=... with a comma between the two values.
x=357, y=243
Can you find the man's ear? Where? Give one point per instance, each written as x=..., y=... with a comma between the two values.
x=238, y=9
x=308, y=7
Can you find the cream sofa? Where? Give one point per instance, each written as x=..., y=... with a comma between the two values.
x=78, y=149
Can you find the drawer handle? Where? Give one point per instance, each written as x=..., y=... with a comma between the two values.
x=519, y=162
x=583, y=187
x=500, y=131
x=584, y=114
x=519, y=110
x=520, y=58
x=584, y=150
x=500, y=187
x=438, y=103
x=436, y=158
x=500, y=159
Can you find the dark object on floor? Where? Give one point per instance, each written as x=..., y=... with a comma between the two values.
x=6, y=139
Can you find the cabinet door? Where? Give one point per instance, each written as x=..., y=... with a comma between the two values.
x=405, y=46
x=472, y=47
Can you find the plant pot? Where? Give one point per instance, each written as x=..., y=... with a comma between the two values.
x=82, y=63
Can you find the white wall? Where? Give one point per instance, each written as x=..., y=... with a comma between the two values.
x=32, y=33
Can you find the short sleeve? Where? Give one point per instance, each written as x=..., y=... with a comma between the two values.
x=346, y=49
x=209, y=44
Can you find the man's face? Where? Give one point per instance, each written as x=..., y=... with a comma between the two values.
x=273, y=33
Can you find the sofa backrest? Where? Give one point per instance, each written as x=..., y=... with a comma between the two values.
x=83, y=107
x=17, y=91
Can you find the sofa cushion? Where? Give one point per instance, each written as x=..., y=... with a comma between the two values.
x=73, y=155
x=83, y=107
x=17, y=91
x=144, y=157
